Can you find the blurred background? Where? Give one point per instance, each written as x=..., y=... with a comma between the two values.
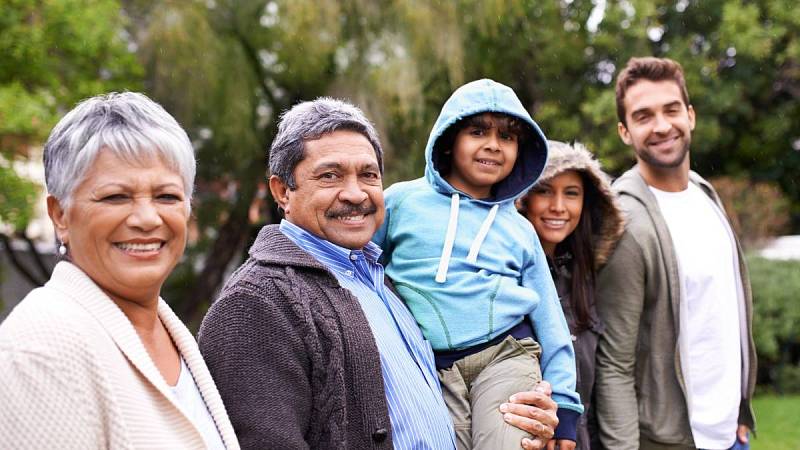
x=227, y=68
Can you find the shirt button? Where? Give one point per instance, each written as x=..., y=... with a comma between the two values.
x=353, y=257
x=380, y=435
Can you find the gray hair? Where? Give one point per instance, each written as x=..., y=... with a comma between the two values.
x=130, y=125
x=308, y=121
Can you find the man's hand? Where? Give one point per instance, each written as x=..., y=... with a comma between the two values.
x=535, y=412
x=743, y=433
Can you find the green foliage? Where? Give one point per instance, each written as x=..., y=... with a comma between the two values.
x=55, y=52
x=776, y=321
x=777, y=422
x=16, y=196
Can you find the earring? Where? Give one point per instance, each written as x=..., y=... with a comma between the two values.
x=62, y=249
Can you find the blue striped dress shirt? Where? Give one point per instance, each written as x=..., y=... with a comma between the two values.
x=417, y=411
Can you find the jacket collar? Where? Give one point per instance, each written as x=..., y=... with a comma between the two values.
x=274, y=248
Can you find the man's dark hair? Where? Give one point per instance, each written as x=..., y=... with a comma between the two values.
x=652, y=69
x=311, y=120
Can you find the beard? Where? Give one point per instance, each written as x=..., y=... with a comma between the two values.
x=654, y=160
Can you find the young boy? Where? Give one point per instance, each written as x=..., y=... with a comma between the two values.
x=472, y=271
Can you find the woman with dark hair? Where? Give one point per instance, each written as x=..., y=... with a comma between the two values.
x=578, y=221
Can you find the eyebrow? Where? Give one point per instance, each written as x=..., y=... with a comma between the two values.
x=648, y=108
x=127, y=186
x=338, y=166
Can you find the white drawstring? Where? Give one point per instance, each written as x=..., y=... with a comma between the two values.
x=450, y=238
x=472, y=257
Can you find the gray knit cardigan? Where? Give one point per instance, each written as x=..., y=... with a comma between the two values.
x=293, y=356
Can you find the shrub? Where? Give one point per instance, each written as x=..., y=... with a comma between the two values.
x=776, y=321
x=758, y=210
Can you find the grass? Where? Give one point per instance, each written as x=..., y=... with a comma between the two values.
x=778, y=422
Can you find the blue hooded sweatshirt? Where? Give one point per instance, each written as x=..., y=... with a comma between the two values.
x=470, y=269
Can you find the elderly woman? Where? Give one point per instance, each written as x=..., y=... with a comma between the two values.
x=95, y=358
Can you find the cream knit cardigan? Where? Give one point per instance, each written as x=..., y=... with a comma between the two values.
x=75, y=375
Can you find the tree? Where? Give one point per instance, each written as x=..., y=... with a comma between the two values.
x=55, y=52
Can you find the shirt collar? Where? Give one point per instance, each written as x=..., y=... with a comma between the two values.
x=313, y=243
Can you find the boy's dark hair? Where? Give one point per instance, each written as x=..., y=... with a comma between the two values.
x=652, y=69
x=442, y=149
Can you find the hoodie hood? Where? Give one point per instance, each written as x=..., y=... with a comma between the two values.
x=606, y=213
x=484, y=96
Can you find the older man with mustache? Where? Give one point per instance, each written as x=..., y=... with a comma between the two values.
x=309, y=347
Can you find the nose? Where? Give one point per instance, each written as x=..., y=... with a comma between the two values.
x=493, y=140
x=557, y=203
x=352, y=192
x=662, y=125
x=145, y=215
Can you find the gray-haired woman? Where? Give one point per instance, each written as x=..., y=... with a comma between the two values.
x=95, y=358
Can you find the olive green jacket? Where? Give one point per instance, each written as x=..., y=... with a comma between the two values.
x=641, y=396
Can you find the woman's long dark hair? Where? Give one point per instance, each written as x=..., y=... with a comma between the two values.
x=580, y=244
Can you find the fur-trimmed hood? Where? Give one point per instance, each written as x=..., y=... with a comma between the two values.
x=607, y=211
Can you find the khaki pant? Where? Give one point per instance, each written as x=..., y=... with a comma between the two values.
x=475, y=386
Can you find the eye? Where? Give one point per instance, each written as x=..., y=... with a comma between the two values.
x=371, y=175
x=543, y=190
x=328, y=176
x=114, y=198
x=169, y=198
x=511, y=137
x=573, y=193
x=475, y=131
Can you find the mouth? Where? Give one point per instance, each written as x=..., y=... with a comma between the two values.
x=555, y=223
x=140, y=248
x=352, y=219
x=488, y=162
x=663, y=142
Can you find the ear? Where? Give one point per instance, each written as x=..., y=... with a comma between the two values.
x=690, y=111
x=623, y=133
x=58, y=215
x=280, y=192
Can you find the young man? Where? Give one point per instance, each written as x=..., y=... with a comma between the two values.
x=676, y=365
x=309, y=349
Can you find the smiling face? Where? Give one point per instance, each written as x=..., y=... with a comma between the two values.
x=125, y=226
x=483, y=154
x=339, y=196
x=554, y=208
x=658, y=125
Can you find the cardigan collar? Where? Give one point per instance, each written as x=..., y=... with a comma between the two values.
x=76, y=284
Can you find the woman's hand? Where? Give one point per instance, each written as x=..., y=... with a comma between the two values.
x=535, y=412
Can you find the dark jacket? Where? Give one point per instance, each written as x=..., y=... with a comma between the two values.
x=585, y=343
x=293, y=355
x=605, y=215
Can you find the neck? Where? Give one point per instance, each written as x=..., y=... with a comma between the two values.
x=549, y=249
x=142, y=314
x=668, y=179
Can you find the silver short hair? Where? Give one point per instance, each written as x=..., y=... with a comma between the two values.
x=308, y=121
x=130, y=125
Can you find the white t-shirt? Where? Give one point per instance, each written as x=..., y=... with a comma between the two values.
x=710, y=332
x=188, y=396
